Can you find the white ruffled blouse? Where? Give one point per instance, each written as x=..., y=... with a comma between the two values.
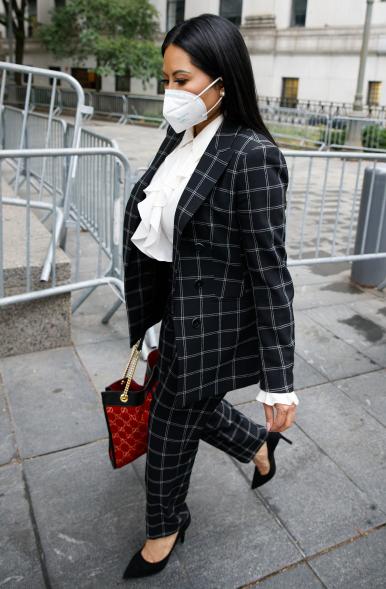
x=154, y=234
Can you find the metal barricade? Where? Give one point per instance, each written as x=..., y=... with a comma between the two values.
x=36, y=130
x=110, y=105
x=125, y=107
x=42, y=175
x=359, y=133
x=323, y=201
x=144, y=108
x=47, y=95
x=297, y=128
x=46, y=135
x=100, y=189
x=324, y=107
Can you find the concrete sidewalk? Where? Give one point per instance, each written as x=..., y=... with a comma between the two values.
x=69, y=520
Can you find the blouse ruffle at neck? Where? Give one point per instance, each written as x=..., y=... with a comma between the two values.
x=154, y=234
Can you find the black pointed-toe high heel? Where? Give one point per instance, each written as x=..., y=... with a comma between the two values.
x=139, y=567
x=272, y=441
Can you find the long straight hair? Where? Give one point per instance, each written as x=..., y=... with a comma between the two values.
x=216, y=46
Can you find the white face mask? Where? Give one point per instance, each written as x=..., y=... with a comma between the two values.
x=183, y=109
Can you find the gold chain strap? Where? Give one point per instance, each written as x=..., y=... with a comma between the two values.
x=129, y=371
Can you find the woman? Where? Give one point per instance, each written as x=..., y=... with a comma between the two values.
x=204, y=251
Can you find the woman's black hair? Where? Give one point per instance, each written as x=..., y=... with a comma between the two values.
x=216, y=46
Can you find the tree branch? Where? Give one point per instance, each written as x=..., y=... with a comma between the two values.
x=16, y=9
x=15, y=24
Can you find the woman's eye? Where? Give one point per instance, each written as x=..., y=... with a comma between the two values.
x=163, y=81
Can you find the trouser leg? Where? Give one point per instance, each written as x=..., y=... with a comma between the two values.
x=233, y=432
x=174, y=435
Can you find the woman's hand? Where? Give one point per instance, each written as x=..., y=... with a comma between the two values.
x=280, y=418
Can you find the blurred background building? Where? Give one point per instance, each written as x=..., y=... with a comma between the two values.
x=300, y=49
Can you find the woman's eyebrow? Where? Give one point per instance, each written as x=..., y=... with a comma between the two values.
x=177, y=71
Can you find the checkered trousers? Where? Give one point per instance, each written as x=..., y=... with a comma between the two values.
x=174, y=435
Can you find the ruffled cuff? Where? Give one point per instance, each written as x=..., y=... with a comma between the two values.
x=272, y=398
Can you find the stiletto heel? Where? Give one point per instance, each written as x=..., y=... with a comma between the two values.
x=139, y=567
x=286, y=439
x=272, y=441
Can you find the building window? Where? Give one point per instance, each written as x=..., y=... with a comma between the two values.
x=87, y=78
x=56, y=69
x=175, y=12
x=231, y=9
x=32, y=17
x=374, y=93
x=289, y=92
x=298, y=13
x=123, y=83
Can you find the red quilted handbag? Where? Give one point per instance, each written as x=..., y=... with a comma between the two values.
x=126, y=407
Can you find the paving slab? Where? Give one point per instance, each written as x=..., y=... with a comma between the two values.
x=310, y=493
x=374, y=308
x=318, y=273
x=91, y=520
x=19, y=557
x=232, y=539
x=298, y=577
x=369, y=391
x=87, y=326
x=326, y=352
x=105, y=362
x=352, y=438
x=357, y=565
x=331, y=292
x=8, y=448
x=52, y=400
x=365, y=332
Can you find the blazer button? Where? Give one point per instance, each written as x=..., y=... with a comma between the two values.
x=196, y=322
x=198, y=283
x=200, y=245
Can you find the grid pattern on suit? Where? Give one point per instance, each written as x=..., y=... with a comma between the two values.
x=232, y=292
x=174, y=436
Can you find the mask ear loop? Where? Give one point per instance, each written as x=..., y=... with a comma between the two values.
x=210, y=85
x=212, y=107
x=207, y=88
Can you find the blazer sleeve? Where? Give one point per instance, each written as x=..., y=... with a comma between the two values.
x=261, y=184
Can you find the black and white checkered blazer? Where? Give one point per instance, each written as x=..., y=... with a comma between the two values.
x=232, y=292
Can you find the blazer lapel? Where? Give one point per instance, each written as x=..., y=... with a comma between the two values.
x=208, y=170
